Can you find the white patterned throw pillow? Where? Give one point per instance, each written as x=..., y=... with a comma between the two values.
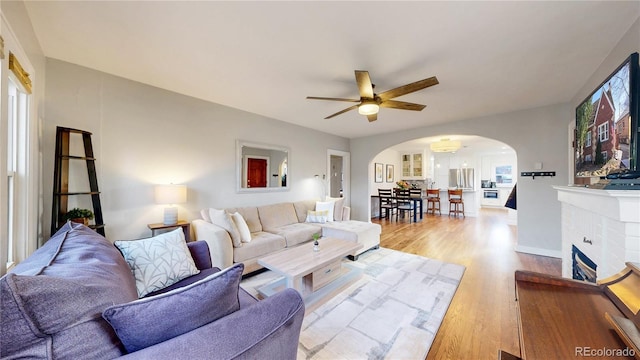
x=317, y=216
x=159, y=261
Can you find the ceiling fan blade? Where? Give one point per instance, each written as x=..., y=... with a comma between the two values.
x=409, y=88
x=372, y=117
x=364, y=84
x=332, y=99
x=394, y=104
x=343, y=111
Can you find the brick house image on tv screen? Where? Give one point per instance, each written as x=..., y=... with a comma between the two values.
x=603, y=128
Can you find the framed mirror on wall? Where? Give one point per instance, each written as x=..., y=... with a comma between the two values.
x=261, y=167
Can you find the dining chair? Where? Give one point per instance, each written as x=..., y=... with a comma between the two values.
x=404, y=203
x=387, y=203
x=456, y=203
x=433, y=201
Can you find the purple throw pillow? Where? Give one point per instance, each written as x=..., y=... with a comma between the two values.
x=152, y=320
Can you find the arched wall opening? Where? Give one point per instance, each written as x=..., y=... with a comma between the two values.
x=489, y=166
x=539, y=136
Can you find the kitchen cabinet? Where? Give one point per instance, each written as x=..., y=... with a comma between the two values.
x=413, y=165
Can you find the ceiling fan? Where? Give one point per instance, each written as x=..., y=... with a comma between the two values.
x=370, y=102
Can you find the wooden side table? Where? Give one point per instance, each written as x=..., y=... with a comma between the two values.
x=185, y=225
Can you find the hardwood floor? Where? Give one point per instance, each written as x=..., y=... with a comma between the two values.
x=482, y=316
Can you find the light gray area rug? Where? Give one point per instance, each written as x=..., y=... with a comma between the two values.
x=392, y=312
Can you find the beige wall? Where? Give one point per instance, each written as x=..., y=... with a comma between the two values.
x=144, y=136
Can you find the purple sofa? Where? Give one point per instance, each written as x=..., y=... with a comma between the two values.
x=53, y=307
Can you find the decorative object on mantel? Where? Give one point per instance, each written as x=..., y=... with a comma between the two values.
x=81, y=216
x=533, y=174
x=445, y=145
x=170, y=195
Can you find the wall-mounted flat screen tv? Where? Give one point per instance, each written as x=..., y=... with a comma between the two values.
x=607, y=126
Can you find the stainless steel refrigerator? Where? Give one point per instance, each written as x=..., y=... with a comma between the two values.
x=461, y=178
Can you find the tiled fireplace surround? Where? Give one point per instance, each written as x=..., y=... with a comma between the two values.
x=603, y=224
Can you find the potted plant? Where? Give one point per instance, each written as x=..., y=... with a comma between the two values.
x=78, y=215
x=316, y=236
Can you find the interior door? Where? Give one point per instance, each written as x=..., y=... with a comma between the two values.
x=335, y=176
x=338, y=170
x=256, y=173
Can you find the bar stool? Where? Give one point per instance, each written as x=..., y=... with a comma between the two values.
x=433, y=201
x=456, y=204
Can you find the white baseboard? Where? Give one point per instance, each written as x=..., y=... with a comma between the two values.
x=539, y=251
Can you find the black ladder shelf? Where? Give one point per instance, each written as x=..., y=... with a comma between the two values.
x=61, y=179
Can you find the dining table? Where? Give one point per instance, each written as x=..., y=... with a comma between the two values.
x=418, y=203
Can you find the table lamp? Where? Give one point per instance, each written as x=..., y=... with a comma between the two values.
x=170, y=194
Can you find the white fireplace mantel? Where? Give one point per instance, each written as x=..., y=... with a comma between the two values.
x=604, y=224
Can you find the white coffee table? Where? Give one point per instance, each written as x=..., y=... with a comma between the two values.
x=306, y=270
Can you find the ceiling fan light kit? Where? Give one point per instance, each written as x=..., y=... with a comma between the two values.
x=445, y=145
x=370, y=102
x=368, y=108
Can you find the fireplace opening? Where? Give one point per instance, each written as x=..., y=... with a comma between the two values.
x=583, y=267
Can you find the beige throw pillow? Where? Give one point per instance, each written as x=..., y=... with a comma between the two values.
x=225, y=221
x=337, y=209
x=243, y=228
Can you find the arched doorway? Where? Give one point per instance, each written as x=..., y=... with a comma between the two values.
x=490, y=169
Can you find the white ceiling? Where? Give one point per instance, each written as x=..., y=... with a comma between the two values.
x=266, y=57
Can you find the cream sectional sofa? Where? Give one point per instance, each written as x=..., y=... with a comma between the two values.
x=277, y=227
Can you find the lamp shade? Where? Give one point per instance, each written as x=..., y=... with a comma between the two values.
x=170, y=194
x=445, y=145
